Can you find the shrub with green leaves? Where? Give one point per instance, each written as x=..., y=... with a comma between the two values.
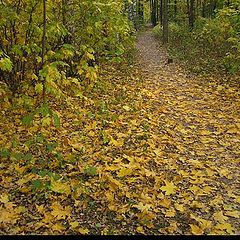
x=78, y=35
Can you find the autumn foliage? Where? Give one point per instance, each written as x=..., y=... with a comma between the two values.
x=98, y=139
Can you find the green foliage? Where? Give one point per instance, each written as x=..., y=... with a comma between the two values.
x=90, y=171
x=212, y=46
x=78, y=36
x=6, y=64
x=4, y=153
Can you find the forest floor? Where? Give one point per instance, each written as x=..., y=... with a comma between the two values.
x=151, y=149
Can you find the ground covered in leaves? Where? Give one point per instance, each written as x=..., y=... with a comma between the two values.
x=148, y=149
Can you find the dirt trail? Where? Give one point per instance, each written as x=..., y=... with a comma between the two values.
x=200, y=120
x=189, y=102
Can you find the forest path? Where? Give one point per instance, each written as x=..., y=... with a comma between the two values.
x=200, y=122
x=149, y=149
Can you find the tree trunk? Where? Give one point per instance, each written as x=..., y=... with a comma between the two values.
x=213, y=4
x=154, y=19
x=161, y=12
x=191, y=14
x=203, y=9
x=175, y=10
x=165, y=21
x=44, y=46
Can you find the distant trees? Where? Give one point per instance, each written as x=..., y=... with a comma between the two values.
x=135, y=11
x=211, y=25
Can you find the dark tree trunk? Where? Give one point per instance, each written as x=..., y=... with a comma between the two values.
x=203, y=9
x=161, y=12
x=175, y=10
x=191, y=14
x=154, y=19
x=44, y=46
x=213, y=5
x=165, y=21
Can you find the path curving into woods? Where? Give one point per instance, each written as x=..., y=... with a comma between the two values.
x=149, y=149
x=198, y=122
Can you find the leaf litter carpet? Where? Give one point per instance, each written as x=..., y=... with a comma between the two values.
x=149, y=150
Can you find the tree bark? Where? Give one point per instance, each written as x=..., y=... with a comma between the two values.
x=175, y=10
x=44, y=46
x=191, y=14
x=161, y=12
x=165, y=22
x=154, y=19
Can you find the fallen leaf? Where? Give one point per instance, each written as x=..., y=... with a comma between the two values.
x=127, y=108
x=169, y=188
x=4, y=198
x=58, y=227
x=196, y=230
x=179, y=207
x=218, y=216
x=225, y=226
x=234, y=214
x=83, y=231
x=124, y=172
x=140, y=230
x=142, y=207
x=73, y=225
x=60, y=187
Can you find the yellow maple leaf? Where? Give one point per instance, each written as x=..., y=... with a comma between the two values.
x=46, y=121
x=60, y=187
x=91, y=133
x=115, y=143
x=9, y=215
x=40, y=208
x=158, y=152
x=77, y=146
x=59, y=212
x=169, y=188
x=73, y=225
x=172, y=227
x=124, y=172
x=179, y=207
x=234, y=214
x=149, y=173
x=170, y=213
x=114, y=184
x=218, y=216
x=48, y=218
x=196, y=230
x=58, y=227
x=205, y=139
x=207, y=189
x=142, y=207
x=223, y=172
x=134, y=122
x=233, y=130
x=4, y=198
x=140, y=230
x=113, y=207
x=205, y=224
x=165, y=203
x=83, y=230
x=205, y=132
x=194, y=189
x=225, y=226
x=127, y=108
x=196, y=204
x=237, y=199
x=20, y=169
